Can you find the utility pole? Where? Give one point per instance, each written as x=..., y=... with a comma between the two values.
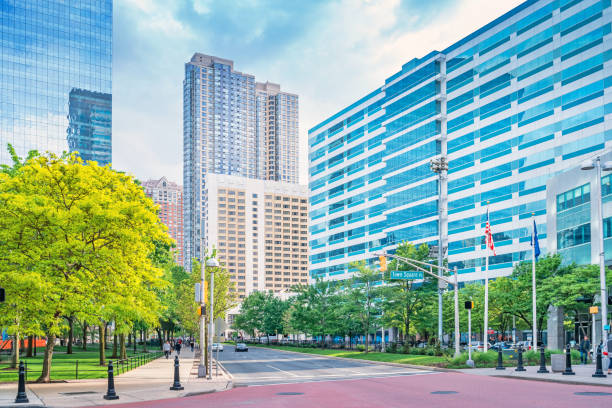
x=440, y=167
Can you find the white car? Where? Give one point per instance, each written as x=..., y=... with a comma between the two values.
x=217, y=347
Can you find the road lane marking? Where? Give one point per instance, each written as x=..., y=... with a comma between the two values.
x=283, y=371
x=341, y=379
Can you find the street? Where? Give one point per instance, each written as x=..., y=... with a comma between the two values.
x=261, y=366
x=270, y=378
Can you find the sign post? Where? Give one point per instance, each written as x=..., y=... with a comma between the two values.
x=469, y=305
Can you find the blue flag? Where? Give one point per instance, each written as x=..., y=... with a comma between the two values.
x=534, y=241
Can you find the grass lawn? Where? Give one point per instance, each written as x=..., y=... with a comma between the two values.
x=64, y=366
x=372, y=356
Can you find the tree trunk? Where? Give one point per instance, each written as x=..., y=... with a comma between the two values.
x=30, y=345
x=70, y=334
x=114, y=346
x=84, y=335
x=144, y=341
x=102, y=334
x=15, y=351
x=45, y=374
x=107, y=334
x=160, y=335
x=122, y=346
x=35, y=353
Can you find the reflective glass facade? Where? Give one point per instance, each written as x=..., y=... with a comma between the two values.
x=53, y=53
x=510, y=106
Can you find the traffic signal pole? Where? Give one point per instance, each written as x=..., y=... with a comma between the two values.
x=421, y=266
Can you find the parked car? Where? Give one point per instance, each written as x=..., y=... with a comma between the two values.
x=526, y=344
x=477, y=346
x=241, y=347
x=500, y=345
x=217, y=347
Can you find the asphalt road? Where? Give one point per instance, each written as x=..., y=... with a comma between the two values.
x=261, y=366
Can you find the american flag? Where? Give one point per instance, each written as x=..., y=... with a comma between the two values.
x=489, y=235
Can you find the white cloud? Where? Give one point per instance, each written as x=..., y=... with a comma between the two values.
x=348, y=50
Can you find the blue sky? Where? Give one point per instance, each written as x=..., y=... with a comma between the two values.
x=328, y=52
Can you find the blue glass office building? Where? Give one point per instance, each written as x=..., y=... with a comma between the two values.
x=511, y=105
x=51, y=50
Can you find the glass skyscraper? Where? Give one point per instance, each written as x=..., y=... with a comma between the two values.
x=52, y=54
x=509, y=106
x=231, y=126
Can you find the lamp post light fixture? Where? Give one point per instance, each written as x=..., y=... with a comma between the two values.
x=591, y=164
x=439, y=166
x=211, y=263
x=203, y=367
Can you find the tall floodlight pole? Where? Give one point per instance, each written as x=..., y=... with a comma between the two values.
x=212, y=263
x=590, y=164
x=440, y=167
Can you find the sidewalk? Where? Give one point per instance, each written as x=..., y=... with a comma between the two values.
x=149, y=382
x=583, y=375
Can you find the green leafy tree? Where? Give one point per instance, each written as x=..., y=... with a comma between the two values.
x=82, y=233
x=402, y=299
x=363, y=295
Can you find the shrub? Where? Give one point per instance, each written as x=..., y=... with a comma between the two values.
x=406, y=348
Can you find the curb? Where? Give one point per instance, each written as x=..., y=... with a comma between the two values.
x=414, y=366
x=551, y=380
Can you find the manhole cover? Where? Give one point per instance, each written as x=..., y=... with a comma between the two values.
x=78, y=393
x=444, y=392
x=289, y=393
x=592, y=393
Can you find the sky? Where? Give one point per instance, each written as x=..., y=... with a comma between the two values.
x=330, y=53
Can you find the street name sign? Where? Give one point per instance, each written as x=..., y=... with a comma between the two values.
x=406, y=275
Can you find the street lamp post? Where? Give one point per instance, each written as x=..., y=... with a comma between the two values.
x=607, y=166
x=440, y=167
x=202, y=367
x=212, y=263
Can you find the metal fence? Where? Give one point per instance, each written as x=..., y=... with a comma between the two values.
x=74, y=369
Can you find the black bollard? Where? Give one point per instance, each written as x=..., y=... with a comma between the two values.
x=520, y=360
x=22, y=397
x=542, y=369
x=177, y=382
x=598, y=369
x=568, y=362
x=500, y=362
x=110, y=391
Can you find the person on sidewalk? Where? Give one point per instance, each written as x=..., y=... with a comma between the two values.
x=177, y=347
x=167, y=349
x=585, y=347
x=192, y=345
x=607, y=348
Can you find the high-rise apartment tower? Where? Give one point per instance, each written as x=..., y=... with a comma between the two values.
x=231, y=126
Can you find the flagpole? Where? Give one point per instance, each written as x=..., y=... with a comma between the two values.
x=486, y=296
x=486, y=304
x=533, y=284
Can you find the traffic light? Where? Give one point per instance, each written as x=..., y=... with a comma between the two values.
x=382, y=260
x=469, y=304
x=2, y=295
x=202, y=311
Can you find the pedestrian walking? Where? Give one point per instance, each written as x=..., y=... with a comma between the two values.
x=177, y=347
x=167, y=349
x=607, y=349
x=192, y=345
x=585, y=348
